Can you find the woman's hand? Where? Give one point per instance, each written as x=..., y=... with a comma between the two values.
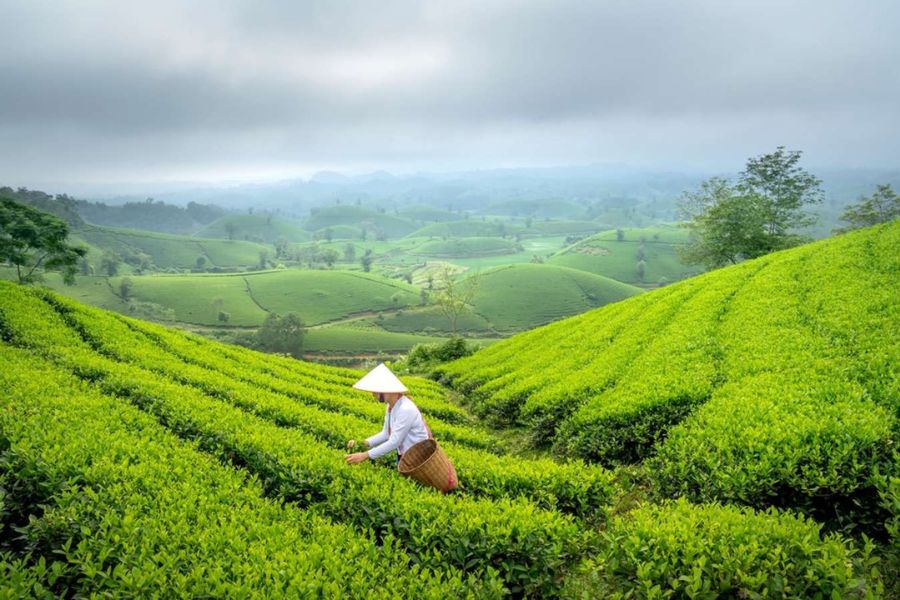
x=356, y=458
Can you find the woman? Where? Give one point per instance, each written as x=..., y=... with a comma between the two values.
x=404, y=426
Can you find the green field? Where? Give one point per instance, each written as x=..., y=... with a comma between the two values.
x=603, y=254
x=258, y=228
x=544, y=227
x=466, y=247
x=517, y=297
x=431, y=321
x=359, y=217
x=316, y=296
x=339, y=232
x=465, y=229
x=361, y=338
x=770, y=383
x=172, y=251
x=137, y=458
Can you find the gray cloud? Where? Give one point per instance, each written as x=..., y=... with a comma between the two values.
x=110, y=91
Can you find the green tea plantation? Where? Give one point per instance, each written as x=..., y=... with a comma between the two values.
x=732, y=435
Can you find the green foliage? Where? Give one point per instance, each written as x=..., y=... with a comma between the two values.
x=516, y=297
x=464, y=229
x=756, y=216
x=882, y=207
x=256, y=228
x=466, y=247
x=526, y=545
x=166, y=251
x=425, y=356
x=31, y=239
x=681, y=550
x=725, y=227
x=606, y=255
x=453, y=297
x=784, y=189
x=282, y=334
x=128, y=509
x=773, y=382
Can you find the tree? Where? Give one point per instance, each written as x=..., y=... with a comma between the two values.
x=724, y=227
x=200, y=262
x=281, y=248
x=329, y=234
x=366, y=261
x=883, y=206
x=263, y=259
x=349, y=253
x=760, y=214
x=641, y=269
x=454, y=297
x=231, y=229
x=329, y=257
x=32, y=239
x=282, y=334
x=620, y=235
x=783, y=188
x=224, y=316
x=125, y=287
x=110, y=262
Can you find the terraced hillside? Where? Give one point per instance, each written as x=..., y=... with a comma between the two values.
x=605, y=254
x=168, y=251
x=770, y=383
x=135, y=458
x=518, y=297
x=259, y=228
x=466, y=247
x=317, y=296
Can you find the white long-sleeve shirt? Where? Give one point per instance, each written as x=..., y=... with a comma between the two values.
x=404, y=427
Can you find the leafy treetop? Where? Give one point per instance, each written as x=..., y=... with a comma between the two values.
x=31, y=239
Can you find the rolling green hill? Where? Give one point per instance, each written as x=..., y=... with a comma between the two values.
x=773, y=382
x=604, y=254
x=517, y=297
x=258, y=228
x=317, y=296
x=428, y=213
x=339, y=232
x=136, y=458
x=550, y=227
x=171, y=251
x=548, y=208
x=358, y=216
x=464, y=229
x=466, y=247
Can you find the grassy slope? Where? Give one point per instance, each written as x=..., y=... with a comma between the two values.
x=173, y=250
x=466, y=247
x=522, y=296
x=320, y=296
x=467, y=228
x=317, y=296
x=775, y=380
x=230, y=427
x=603, y=254
x=358, y=216
x=255, y=227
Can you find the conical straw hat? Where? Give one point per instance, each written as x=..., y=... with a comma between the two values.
x=380, y=380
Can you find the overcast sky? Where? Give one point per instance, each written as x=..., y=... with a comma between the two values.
x=118, y=91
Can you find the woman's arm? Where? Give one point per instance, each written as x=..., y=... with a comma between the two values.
x=382, y=436
x=402, y=424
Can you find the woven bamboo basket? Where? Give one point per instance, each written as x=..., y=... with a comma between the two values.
x=427, y=463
